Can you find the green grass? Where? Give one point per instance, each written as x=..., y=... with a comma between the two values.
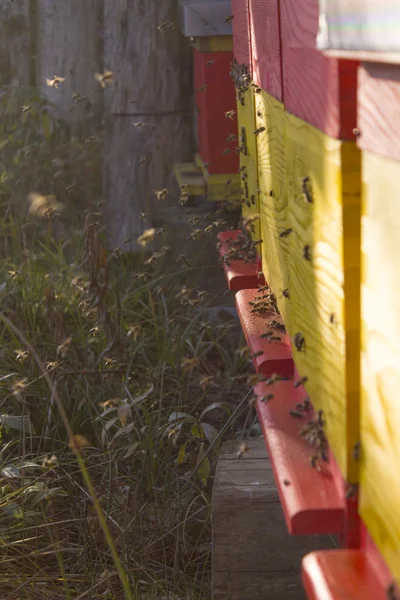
x=116, y=391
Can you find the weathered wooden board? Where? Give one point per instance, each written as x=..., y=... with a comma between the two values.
x=271, y=160
x=318, y=89
x=215, y=95
x=253, y=555
x=248, y=161
x=380, y=407
x=15, y=43
x=360, y=25
x=241, y=32
x=322, y=273
x=266, y=55
x=69, y=44
x=378, y=109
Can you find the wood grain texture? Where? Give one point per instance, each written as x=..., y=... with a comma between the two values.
x=215, y=95
x=129, y=185
x=151, y=67
x=248, y=162
x=266, y=53
x=69, y=44
x=318, y=285
x=241, y=32
x=380, y=408
x=253, y=555
x=318, y=89
x=271, y=160
x=15, y=42
x=378, y=113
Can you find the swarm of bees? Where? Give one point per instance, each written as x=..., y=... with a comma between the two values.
x=241, y=78
x=313, y=432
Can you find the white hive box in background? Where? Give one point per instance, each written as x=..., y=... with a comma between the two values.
x=201, y=18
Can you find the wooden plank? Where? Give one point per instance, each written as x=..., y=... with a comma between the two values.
x=16, y=32
x=311, y=500
x=341, y=575
x=215, y=95
x=266, y=55
x=248, y=159
x=378, y=114
x=269, y=357
x=325, y=225
x=271, y=160
x=360, y=25
x=318, y=89
x=380, y=415
x=241, y=32
x=253, y=556
x=240, y=275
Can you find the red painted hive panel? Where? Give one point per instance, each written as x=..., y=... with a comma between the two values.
x=215, y=95
x=241, y=31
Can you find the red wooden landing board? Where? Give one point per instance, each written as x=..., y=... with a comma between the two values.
x=266, y=46
x=320, y=90
x=239, y=274
x=312, y=502
x=341, y=575
x=276, y=357
x=215, y=95
x=241, y=32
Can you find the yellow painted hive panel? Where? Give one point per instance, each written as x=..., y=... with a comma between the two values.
x=271, y=154
x=248, y=158
x=323, y=182
x=380, y=406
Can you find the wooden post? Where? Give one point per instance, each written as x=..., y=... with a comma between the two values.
x=254, y=558
x=151, y=86
x=15, y=42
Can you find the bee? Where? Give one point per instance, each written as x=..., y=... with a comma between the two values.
x=195, y=235
x=104, y=78
x=26, y=109
x=229, y=19
x=243, y=449
x=143, y=215
x=161, y=194
x=21, y=355
x=314, y=462
x=182, y=258
x=202, y=88
x=285, y=293
x=63, y=348
x=77, y=443
x=271, y=193
x=259, y=113
x=307, y=252
x=230, y=114
x=391, y=592
x=209, y=229
x=273, y=379
x=194, y=221
x=138, y=124
x=231, y=138
x=285, y=232
x=206, y=381
x=300, y=381
x=165, y=26
x=266, y=335
x=50, y=461
x=147, y=236
x=44, y=206
x=351, y=491
x=257, y=354
x=259, y=130
x=210, y=62
x=356, y=131
x=306, y=187
x=55, y=82
x=188, y=364
x=226, y=151
x=286, y=482
x=332, y=318
x=296, y=414
x=266, y=398
x=357, y=451
x=299, y=341
x=144, y=160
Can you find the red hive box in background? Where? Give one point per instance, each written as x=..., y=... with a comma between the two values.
x=215, y=95
x=266, y=46
x=241, y=32
x=316, y=88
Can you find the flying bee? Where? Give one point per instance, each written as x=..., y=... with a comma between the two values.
x=230, y=114
x=231, y=137
x=44, y=206
x=165, y=26
x=210, y=62
x=147, y=236
x=299, y=341
x=21, y=355
x=104, y=78
x=300, y=381
x=26, y=109
x=226, y=151
x=182, y=258
x=259, y=130
x=188, y=364
x=161, y=194
x=138, y=124
x=243, y=449
x=195, y=235
x=63, y=348
x=206, y=381
x=229, y=19
x=202, y=88
x=285, y=232
x=144, y=160
x=194, y=221
x=209, y=229
x=143, y=215
x=307, y=252
x=306, y=187
x=55, y=82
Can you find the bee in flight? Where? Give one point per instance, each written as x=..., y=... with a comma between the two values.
x=55, y=82
x=104, y=78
